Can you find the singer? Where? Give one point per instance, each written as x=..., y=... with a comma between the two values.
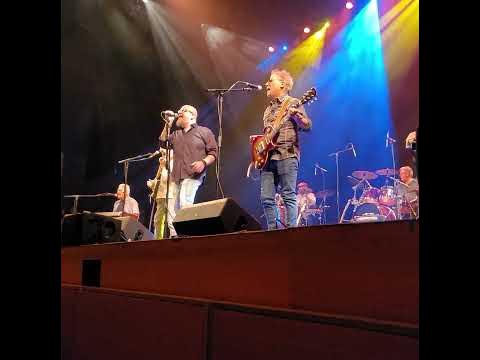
x=195, y=148
x=282, y=166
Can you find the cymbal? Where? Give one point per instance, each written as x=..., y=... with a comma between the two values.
x=364, y=175
x=325, y=193
x=386, y=172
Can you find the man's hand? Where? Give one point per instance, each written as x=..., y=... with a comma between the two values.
x=198, y=166
x=150, y=183
x=170, y=120
x=411, y=138
x=296, y=113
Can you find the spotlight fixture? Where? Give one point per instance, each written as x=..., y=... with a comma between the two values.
x=271, y=49
x=349, y=5
x=306, y=30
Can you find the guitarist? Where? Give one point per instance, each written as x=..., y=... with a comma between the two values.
x=282, y=166
x=159, y=190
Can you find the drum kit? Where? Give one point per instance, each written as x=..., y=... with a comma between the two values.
x=386, y=203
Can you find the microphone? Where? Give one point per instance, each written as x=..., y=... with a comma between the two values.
x=169, y=113
x=353, y=149
x=253, y=86
x=154, y=154
x=317, y=166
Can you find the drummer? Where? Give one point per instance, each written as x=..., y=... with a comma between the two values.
x=411, y=189
x=408, y=190
x=305, y=197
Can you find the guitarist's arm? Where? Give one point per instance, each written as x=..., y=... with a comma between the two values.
x=301, y=118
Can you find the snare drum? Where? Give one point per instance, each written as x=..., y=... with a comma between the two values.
x=370, y=196
x=387, y=196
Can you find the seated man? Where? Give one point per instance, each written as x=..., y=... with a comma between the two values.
x=126, y=204
x=408, y=190
x=305, y=199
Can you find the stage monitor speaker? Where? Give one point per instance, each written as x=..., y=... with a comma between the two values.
x=89, y=228
x=135, y=230
x=214, y=217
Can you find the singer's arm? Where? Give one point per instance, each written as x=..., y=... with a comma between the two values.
x=211, y=150
x=163, y=138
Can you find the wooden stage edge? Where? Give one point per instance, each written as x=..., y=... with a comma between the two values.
x=350, y=271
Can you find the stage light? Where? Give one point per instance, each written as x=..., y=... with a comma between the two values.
x=271, y=49
x=284, y=47
x=145, y=1
x=349, y=5
x=321, y=33
x=306, y=30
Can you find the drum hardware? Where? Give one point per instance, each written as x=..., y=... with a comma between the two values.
x=306, y=212
x=300, y=213
x=348, y=147
x=353, y=201
x=323, y=194
x=352, y=180
x=390, y=141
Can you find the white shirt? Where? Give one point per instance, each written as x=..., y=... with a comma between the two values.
x=308, y=199
x=131, y=206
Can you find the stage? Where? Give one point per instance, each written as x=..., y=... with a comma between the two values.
x=349, y=289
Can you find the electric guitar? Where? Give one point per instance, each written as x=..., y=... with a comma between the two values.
x=156, y=181
x=261, y=145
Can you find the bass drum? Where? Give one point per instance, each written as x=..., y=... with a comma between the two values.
x=373, y=213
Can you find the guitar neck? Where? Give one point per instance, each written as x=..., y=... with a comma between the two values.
x=158, y=177
x=280, y=118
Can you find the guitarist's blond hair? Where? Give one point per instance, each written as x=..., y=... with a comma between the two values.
x=285, y=77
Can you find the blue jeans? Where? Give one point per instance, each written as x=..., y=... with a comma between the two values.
x=186, y=191
x=283, y=173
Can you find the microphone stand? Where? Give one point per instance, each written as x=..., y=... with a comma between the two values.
x=125, y=163
x=220, y=93
x=391, y=142
x=166, y=229
x=323, y=216
x=338, y=191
